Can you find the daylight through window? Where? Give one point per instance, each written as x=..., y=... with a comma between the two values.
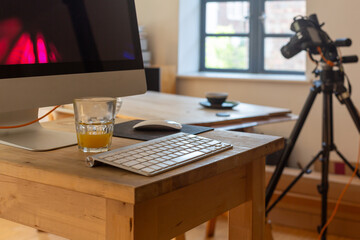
x=246, y=36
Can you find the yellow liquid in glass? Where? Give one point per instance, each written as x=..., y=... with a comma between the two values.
x=95, y=135
x=96, y=140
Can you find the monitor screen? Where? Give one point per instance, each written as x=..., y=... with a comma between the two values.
x=52, y=51
x=49, y=37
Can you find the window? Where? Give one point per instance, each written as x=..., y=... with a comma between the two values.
x=246, y=35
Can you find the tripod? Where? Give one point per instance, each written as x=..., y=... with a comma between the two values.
x=331, y=82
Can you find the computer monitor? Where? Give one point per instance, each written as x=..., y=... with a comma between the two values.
x=52, y=51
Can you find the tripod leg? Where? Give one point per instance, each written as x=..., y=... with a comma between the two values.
x=344, y=98
x=353, y=112
x=305, y=170
x=291, y=142
x=347, y=162
x=327, y=145
x=323, y=189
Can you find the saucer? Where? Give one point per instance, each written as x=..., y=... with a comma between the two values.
x=224, y=105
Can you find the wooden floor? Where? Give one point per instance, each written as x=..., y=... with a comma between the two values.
x=13, y=231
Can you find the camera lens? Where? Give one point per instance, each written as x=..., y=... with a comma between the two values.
x=291, y=49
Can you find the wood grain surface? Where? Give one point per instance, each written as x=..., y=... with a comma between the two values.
x=185, y=109
x=55, y=192
x=66, y=168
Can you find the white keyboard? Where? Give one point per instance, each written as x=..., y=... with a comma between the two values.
x=160, y=154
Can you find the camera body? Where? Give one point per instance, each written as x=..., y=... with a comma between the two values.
x=308, y=36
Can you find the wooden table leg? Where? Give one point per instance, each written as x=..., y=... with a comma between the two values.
x=210, y=227
x=268, y=230
x=119, y=220
x=170, y=214
x=180, y=237
x=247, y=221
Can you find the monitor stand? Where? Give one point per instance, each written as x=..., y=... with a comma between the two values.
x=33, y=137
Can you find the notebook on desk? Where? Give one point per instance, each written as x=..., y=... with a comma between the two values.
x=125, y=130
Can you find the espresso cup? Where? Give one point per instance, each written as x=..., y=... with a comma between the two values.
x=216, y=98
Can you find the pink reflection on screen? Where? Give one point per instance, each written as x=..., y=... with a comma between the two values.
x=9, y=29
x=17, y=46
x=54, y=55
x=41, y=48
x=22, y=52
x=28, y=55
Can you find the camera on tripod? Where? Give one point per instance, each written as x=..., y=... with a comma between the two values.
x=309, y=36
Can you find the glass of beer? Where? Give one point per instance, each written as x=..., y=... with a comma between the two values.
x=94, y=120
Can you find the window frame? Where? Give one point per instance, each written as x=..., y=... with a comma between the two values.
x=256, y=37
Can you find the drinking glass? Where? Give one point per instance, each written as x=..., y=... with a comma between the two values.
x=94, y=120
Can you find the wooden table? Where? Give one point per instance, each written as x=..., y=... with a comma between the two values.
x=187, y=110
x=53, y=191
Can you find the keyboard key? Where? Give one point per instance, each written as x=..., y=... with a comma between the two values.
x=141, y=160
x=169, y=162
x=131, y=163
x=147, y=164
x=148, y=170
x=187, y=157
x=110, y=159
x=161, y=165
x=156, y=167
x=213, y=142
x=120, y=161
x=205, y=150
x=138, y=166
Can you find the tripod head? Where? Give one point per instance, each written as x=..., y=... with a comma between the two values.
x=310, y=37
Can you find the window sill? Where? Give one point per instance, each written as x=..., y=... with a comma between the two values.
x=279, y=78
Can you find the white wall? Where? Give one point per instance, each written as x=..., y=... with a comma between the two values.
x=341, y=17
x=160, y=18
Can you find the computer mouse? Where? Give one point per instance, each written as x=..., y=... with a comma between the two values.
x=162, y=125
